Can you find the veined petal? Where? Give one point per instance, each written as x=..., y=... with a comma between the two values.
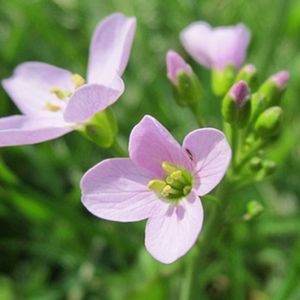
x=229, y=45
x=172, y=235
x=89, y=99
x=110, y=48
x=25, y=130
x=116, y=190
x=211, y=155
x=196, y=41
x=30, y=85
x=150, y=144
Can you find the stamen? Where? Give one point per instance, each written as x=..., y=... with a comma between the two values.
x=68, y=93
x=156, y=185
x=52, y=107
x=166, y=191
x=176, y=175
x=186, y=190
x=168, y=168
x=58, y=93
x=78, y=80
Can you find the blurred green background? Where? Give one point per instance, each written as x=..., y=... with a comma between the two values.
x=52, y=248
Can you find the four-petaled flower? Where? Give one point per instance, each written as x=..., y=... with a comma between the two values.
x=54, y=101
x=161, y=182
x=216, y=48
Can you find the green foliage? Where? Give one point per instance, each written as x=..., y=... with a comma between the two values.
x=52, y=248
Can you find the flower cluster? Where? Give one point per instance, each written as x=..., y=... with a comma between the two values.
x=161, y=181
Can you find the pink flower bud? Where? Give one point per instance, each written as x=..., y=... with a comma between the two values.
x=281, y=78
x=175, y=64
x=240, y=92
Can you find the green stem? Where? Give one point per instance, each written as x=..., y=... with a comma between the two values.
x=118, y=150
x=197, y=116
x=259, y=145
x=190, y=287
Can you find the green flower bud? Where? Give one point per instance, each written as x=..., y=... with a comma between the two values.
x=186, y=85
x=236, y=105
x=187, y=90
x=101, y=129
x=255, y=164
x=222, y=80
x=247, y=73
x=268, y=123
x=254, y=209
x=269, y=167
x=274, y=87
x=257, y=103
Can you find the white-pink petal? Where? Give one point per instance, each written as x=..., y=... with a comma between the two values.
x=211, y=155
x=170, y=236
x=30, y=85
x=229, y=45
x=116, y=190
x=196, y=41
x=150, y=144
x=90, y=99
x=110, y=48
x=25, y=130
x=216, y=47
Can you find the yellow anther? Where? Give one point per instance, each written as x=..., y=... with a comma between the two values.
x=166, y=191
x=168, y=167
x=78, y=80
x=156, y=185
x=52, y=107
x=176, y=175
x=68, y=93
x=58, y=93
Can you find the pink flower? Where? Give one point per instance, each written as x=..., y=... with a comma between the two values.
x=216, y=48
x=54, y=101
x=175, y=65
x=161, y=182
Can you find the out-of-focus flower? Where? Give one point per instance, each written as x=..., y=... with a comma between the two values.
x=161, y=182
x=186, y=85
x=54, y=101
x=216, y=48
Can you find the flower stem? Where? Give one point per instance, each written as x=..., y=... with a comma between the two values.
x=190, y=288
x=197, y=116
x=118, y=150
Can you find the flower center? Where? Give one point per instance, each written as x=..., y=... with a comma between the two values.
x=63, y=95
x=176, y=185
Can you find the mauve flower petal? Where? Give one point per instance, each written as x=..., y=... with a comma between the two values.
x=229, y=45
x=150, y=144
x=175, y=64
x=89, y=99
x=110, y=48
x=196, y=41
x=116, y=190
x=29, y=87
x=172, y=235
x=211, y=155
x=25, y=130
